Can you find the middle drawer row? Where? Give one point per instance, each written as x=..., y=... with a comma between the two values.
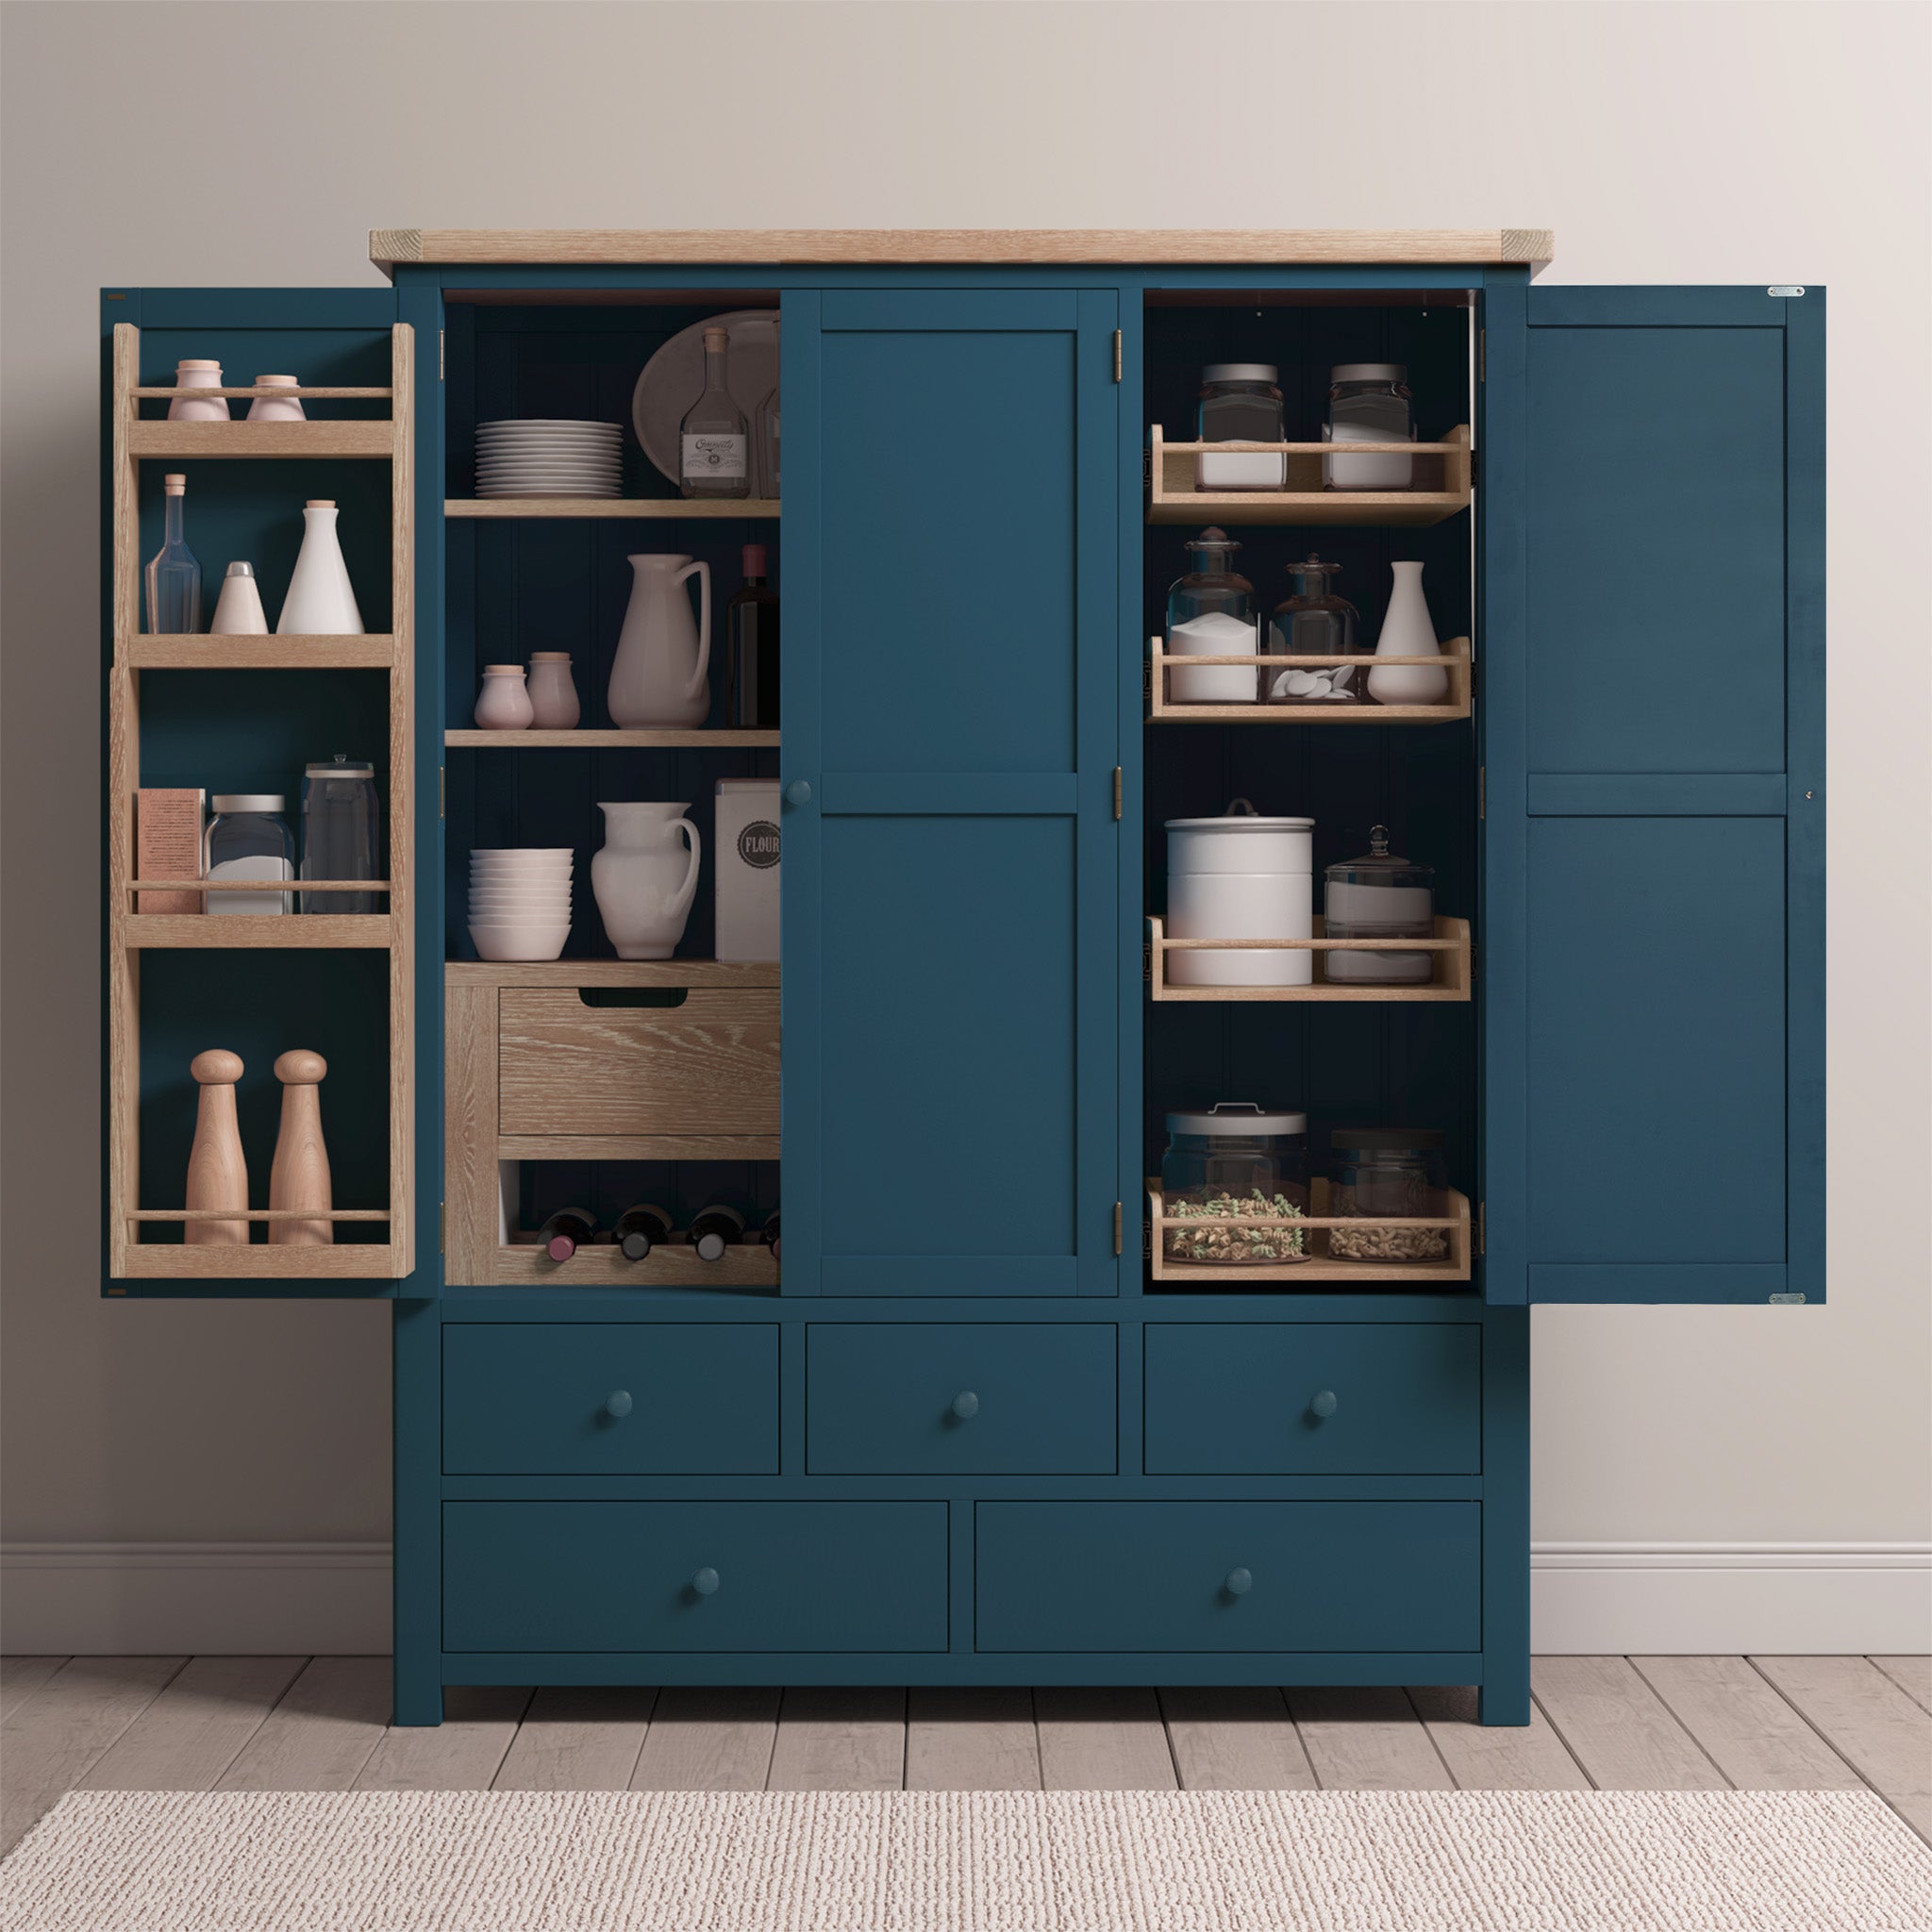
x=941, y=1399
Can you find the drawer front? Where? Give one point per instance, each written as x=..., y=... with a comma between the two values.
x=1015, y=1398
x=708, y=1065
x=1171, y=1576
x=1289, y=1398
x=619, y=1398
x=694, y=1576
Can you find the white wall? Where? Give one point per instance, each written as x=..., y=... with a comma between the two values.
x=207, y=144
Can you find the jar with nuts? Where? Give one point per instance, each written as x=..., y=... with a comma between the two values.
x=1387, y=1173
x=1233, y=1179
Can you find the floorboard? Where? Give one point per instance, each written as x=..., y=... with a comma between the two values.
x=707, y=1740
x=1752, y=1733
x=1102, y=1740
x=1368, y=1738
x=1234, y=1739
x=20, y=1677
x=1881, y=1732
x=462, y=1753
x=578, y=1738
x=840, y=1738
x=971, y=1738
x=1495, y=1758
x=1617, y=1728
x=326, y=1727
x=190, y=1733
x=1912, y=1675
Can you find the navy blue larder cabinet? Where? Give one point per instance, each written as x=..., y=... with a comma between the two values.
x=981, y=1415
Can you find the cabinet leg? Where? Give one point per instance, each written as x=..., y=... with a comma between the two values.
x=416, y=1697
x=1504, y=1699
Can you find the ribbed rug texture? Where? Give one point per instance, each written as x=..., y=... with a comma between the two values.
x=974, y=1861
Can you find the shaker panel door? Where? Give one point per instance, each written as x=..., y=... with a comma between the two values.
x=951, y=731
x=1653, y=841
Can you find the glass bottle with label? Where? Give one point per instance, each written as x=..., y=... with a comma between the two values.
x=714, y=444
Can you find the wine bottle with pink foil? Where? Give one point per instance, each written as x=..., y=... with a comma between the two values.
x=565, y=1232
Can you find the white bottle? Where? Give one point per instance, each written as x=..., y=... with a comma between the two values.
x=1407, y=631
x=321, y=600
x=238, y=610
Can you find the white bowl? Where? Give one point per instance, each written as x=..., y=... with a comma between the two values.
x=551, y=905
x=520, y=942
x=522, y=855
x=521, y=868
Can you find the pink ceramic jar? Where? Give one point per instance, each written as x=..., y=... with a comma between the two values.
x=275, y=409
x=553, y=695
x=504, y=705
x=198, y=409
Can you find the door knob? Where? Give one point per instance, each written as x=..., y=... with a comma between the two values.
x=798, y=793
x=1238, y=1583
x=705, y=1582
x=1323, y=1403
x=618, y=1403
x=965, y=1404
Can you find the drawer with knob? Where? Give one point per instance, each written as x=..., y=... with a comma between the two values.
x=694, y=1576
x=610, y=1398
x=1011, y=1398
x=1295, y=1398
x=1228, y=1577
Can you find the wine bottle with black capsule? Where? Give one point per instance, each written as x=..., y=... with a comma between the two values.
x=769, y=1233
x=641, y=1228
x=565, y=1232
x=714, y=1229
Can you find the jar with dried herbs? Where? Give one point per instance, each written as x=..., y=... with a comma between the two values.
x=1387, y=1173
x=1234, y=1175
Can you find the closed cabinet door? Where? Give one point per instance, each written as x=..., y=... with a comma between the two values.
x=1654, y=838
x=951, y=733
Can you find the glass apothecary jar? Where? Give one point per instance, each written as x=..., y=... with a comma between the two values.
x=1369, y=402
x=1387, y=1173
x=1239, y=403
x=1378, y=897
x=1211, y=613
x=340, y=832
x=1228, y=1162
x=1313, y=621
x=248, y=837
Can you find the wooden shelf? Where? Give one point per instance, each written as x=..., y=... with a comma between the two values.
x=637, y=1147
x=185, y=443
x=1452, y=967
x=256, y=931
x=608, y=973
x=258, y=1262
x=1173, y=498
x=603, y=1265
x=676, y=508
x=640, y=739
x=374, y=651
x=1219, y=1278
x=1454, y=657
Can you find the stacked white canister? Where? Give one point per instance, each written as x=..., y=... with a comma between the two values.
x=1241, y=876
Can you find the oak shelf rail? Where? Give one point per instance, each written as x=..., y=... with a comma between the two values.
x=172, y=1214
x=672, y=1264
x=1173, y=497
x=257, y=651
x=1452, y=967
x=1164, y=709
x=326, y=436
x=639, y=738
x=677, y=508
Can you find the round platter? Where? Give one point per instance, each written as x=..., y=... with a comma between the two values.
x=674, y=378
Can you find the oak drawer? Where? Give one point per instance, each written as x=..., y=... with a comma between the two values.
x=619, y=1398
x=1228, y=1577
x=694, y=1576
x=1012, y=1398
x=1291, y=1398
x=707, y=1065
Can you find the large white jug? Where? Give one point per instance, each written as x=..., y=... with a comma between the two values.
x=662, y=673
x=645, y=876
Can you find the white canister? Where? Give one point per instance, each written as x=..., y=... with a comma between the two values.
x=1241, y=876
x=746, y=875
x=1241, y=839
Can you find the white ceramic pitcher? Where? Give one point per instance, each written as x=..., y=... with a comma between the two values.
x=662, y=673
x=645, y=877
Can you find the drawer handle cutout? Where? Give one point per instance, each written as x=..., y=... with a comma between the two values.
x=965, y=1404
x=1237, y=1582
x=1323, y=1403
x=633, y=995
x=705, y=1582
x=618, y=1402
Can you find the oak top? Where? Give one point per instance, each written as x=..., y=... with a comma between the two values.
x=612, y=247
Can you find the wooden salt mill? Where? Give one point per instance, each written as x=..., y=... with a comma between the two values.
x=217, y=1172
x=300, y=1176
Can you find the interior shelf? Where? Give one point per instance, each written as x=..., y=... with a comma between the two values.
x=1452, y=964
x=640, y=739
x=603, y=1265
x=673, y=508
x=247, y=931
x=1173, y=497
x=324, y=436
x=1454, y=657
x=1213, y=1277
x=609, y=973
x=370, y=651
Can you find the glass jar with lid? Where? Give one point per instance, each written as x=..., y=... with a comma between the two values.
x=1241, y=1171
x=1383, y=1174
x=1312, y=622
x=1369, y=402
x=1239, y=403
x=1211, y=613
x=1377, y=896
x=340, y=832
x=248, y=837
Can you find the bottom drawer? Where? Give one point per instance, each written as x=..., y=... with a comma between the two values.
x=1229, y=1576
x=694, y=1576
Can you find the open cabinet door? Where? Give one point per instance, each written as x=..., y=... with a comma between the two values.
x=1652, y=681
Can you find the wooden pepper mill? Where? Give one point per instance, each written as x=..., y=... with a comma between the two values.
x=300, y=1176
x=217, y=1172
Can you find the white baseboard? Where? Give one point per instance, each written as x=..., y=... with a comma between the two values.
x=296, y=1599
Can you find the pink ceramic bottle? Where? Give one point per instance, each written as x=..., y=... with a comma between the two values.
x=552, y=694
x=198, y=409
x=275, y=409
x=503, y=705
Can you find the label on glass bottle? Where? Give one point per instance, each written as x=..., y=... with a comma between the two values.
x=713, y=458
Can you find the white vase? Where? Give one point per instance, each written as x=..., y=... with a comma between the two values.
x=552, y=694
x=645, y=876
x=238, y=610
x=504, y=703
x=321, y=600
x=662, y=673
x=1407, y=631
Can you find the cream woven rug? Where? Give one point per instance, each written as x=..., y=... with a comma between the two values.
x=982, y=1862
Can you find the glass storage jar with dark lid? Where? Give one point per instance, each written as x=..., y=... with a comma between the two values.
x=1241, y=1171
x=1239, y=403
x=1383, y=1174
x=1377, y=896
x=1369, y=402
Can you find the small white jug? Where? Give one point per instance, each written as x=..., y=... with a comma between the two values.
x=645, y=877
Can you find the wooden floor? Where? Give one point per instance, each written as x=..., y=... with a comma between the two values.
x=321, y=1723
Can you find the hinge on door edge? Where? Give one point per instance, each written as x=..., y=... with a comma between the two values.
x=1116, y=355
x=1117, y=1227
x=1789, y=1301
x=1482, y=369
x=1479, y=1226
x=439, y=800
x=438, y=378
x=442, y=1221
x=1482, y=793
x=1116, y=791
x=1786, y=288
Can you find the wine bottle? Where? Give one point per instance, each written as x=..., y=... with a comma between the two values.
x=565, y=1232
x=640, y=1229
x=769, y=1233
x=751, y=621
x=714, y=440
x=714, y=1229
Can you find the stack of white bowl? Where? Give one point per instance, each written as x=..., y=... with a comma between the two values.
x=520, y=901
x=1241, y=876
x=549, y=456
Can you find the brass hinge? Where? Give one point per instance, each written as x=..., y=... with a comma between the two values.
x=1116, y=355
x=1116, y=791
x=1475, y=468
x=438, y=378
x=1117, y=1227
x=1482, y=791
x=440, y=799
x=1479, y=1227
x=1482, y=364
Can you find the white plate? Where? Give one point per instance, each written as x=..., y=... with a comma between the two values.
x=524, y=465
x=674, y=378
x=585, y=451
x=579, y=424
x=613, y=492
x=552, y=472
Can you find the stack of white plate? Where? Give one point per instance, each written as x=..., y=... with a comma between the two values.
x=520, y=901
x=544, y=457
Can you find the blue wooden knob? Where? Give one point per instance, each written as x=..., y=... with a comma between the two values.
x=706, y=1581
x=798, y=793
x=1323, y=1403
x=1238, y=1583
x=618, y=1403
x=965, y=1404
